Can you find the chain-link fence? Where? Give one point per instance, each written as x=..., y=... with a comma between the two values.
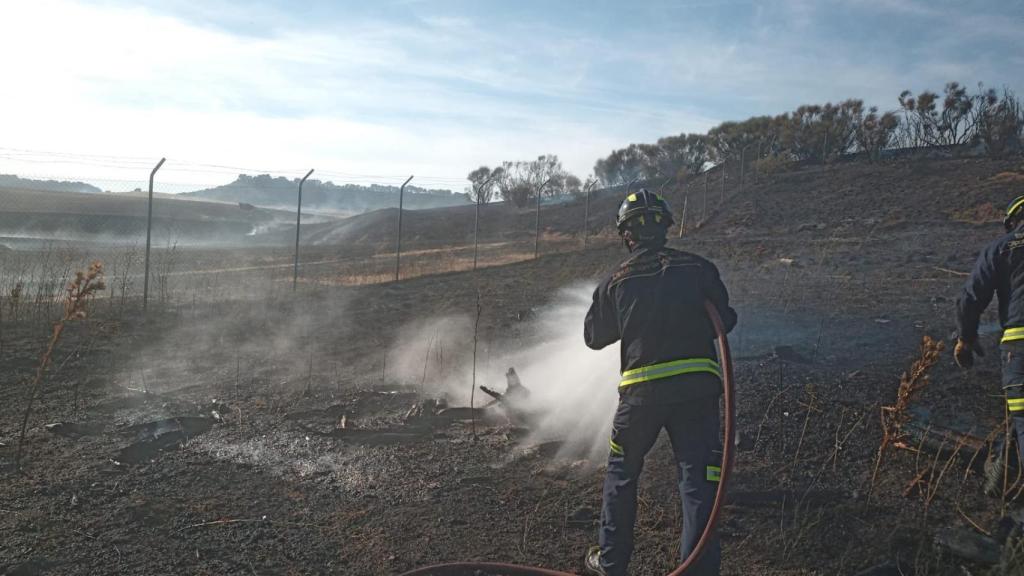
x=225, y=236
x=204, y=233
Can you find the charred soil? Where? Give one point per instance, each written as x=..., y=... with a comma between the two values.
x=271, y=436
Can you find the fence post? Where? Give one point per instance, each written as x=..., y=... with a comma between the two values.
x=757, y=161
x=149, y=232
x=704, y=209
x=824, y=150
x=398, y=240
x=586, y=216
x=476, y=229
x=298, y=224
x=686, y=201
x=743, y=166
x=725, y=166
x=536, y=233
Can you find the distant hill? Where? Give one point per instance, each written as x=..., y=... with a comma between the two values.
x=10, y=181
x=280, y=192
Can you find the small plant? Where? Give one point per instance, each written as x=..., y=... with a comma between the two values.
x=78, y=292
x=15, y=300
x=911, y=385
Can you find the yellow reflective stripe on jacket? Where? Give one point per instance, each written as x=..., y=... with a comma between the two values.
x=1015, y=404
x=1013, y=334
x=616, y=449
x=714, y=473
x=673, y=368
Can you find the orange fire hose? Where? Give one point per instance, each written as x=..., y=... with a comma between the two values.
x=497, y=568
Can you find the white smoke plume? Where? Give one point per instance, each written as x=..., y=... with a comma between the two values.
x=573, y=389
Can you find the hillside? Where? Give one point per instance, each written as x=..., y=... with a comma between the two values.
x=43, y=215
x=847, y=197
x=12, y=182
x=280, y=192
x=326, y=387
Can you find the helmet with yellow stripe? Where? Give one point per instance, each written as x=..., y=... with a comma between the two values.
x=1014, y=213
x=643, y=208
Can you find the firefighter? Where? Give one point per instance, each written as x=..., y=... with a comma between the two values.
x=671, y=379
x=999, y=270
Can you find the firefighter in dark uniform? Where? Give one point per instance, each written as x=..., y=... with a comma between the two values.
x=999, y=271
x=671, y=379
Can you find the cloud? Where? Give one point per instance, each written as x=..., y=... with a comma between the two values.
x=377, y=98
x=436, y=92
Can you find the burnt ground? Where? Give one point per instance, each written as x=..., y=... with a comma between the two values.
x=208, y=438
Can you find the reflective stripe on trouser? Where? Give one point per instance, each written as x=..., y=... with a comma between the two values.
x=1012, y=358
x=616, y=449
x=673, y=368
x=713, y=473
x=1013, y=334
x=694, y=430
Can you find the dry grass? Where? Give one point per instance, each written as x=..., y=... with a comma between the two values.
x=84, y=286
x=983, y=213
x=1008, y=178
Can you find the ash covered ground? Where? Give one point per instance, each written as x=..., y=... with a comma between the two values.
x=299, y=434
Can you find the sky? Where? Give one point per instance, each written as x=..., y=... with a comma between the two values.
x=371, y=92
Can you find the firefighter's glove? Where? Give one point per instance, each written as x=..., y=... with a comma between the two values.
x=965, y=351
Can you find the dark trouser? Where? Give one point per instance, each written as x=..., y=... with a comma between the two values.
x=693, y=428
x=1013, y=386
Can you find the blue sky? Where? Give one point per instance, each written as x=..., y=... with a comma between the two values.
x=372, y=91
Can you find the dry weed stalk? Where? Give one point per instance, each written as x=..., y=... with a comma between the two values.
x=911, y=384
x=78, y=292
x=476, y=340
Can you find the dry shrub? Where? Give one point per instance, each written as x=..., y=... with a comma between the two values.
x=911, y=384
x=983, y=213
x=773, y=164
x=84, y=286
x=1008, y=178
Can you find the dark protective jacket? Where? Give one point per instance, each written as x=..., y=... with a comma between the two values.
x=1000, y=271
x=654, y=304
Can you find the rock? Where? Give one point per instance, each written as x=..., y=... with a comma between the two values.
x=968, y=545
x=73, y=429
x=219, y=410
x=743, y=442
x=30, y=567
x=789, y=354
x=886, y=569
x=582, y=517
x=154, y=437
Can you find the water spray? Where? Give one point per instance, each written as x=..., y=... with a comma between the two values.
x=725, y=357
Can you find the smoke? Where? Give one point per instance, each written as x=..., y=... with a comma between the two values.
x=573, y=389
x=270, y=345
x=435, y=355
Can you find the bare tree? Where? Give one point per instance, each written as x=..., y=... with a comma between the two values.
x=572, y=186
x=1000, y=121
x=875, y=132
x=483, y=182
x=513, y=185
x=925, y=124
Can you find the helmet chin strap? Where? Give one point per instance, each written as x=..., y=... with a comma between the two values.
x=632, y=244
